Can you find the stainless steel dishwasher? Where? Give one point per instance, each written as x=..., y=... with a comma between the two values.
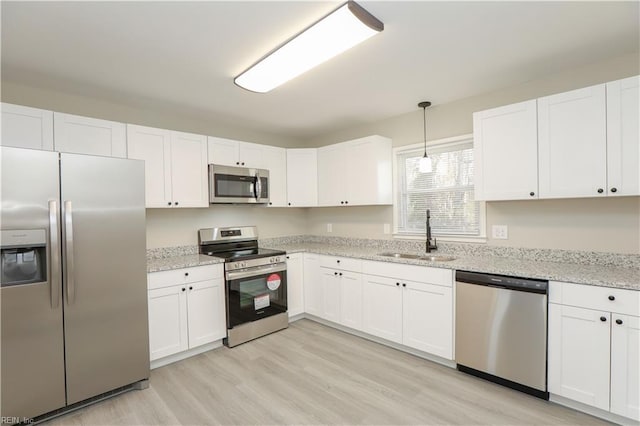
x=501, y=330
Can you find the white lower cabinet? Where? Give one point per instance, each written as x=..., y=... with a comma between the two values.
x=399, y=308
x=313, y=292
x=295, y=284
x=186, y=309
x=594, y=347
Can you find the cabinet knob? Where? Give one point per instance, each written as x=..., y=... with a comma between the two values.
x=619, y=321
x=186, y=274
x=404, y=285
x=600, y=190
x=190, y=287
x=289, y=203
x=341, y=202
x=270, y=203
x=612, y=297
x=243, y=163
x=532, y=193
x=335, y=273
x=614, y=189
x=176, y=203
x=184, y=289
x=340, y=274
x=169, y=203
x=237, y=163
x=338, y=260
x=288, y=257
x=398, y=284
x=603, y=319
x=346, y=202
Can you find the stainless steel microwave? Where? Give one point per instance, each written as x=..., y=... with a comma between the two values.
x=238, y=185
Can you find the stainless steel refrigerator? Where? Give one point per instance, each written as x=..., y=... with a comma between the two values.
x=73, y=281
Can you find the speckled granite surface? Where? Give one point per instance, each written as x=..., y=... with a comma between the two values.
x=593, y=268
x=168, y=258
x=620, y=271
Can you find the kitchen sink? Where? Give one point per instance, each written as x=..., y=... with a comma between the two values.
x=400, y=255
x=431, y=258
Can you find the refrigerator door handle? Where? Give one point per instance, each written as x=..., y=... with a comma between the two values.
x=54, y=249
x=68, y=232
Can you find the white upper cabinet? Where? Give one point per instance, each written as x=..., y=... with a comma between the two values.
x=506, y=152
x=275, y=160
x=355, y=173
x=623, y=137
x=25, y=127
x=175, y=166
x=302, y=177
x=572, y=143
x=84, y=135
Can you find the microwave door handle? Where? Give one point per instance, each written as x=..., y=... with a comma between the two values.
x=258, y=187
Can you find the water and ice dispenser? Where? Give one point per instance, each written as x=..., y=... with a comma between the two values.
x=23, y=257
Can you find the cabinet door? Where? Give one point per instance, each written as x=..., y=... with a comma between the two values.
x=623, y=137
x=295, y=286
x=252, y=155
x=25, y=127
x=84, y=135
x=276, y=162
x=302, y=177
x=313, y=294
x=330, y=281
x=223, y=151
x=351, y=300
x=153, y=146
x=368, y=170
x=505, y=152
x=189, y=177
x=572, y=147
x=332, y=164
x=382, y=307
x=167, y=321
x=206, y=308
x=427, y=323
x=579, y=354
x=625, y=366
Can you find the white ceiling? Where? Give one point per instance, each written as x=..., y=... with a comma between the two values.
x=184, y=55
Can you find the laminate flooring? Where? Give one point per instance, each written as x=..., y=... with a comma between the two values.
x=313, y=374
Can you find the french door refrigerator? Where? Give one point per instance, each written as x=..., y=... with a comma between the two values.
x=73, y=290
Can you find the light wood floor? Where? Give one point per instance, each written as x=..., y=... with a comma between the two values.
x=313, y=374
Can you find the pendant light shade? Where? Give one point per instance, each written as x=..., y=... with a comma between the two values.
x=342, y=29
x=425, y=161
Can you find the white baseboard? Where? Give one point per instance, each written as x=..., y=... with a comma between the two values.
x=184, y=355
x=593, y=411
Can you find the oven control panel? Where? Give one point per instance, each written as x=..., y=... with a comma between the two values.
x=243, y=264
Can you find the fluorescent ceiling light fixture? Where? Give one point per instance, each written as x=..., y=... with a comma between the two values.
x=342, y=29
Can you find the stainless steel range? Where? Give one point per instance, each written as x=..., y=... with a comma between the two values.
x=255, y=282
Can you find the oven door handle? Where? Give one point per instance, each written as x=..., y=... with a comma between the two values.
x=258, y=270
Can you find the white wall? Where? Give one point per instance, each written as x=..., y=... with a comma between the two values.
x=176, y=227
x=603, y=224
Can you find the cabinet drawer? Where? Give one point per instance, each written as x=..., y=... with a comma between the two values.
x=342, y=263
x=594, y=297
x=184, y=276
x=422, y=274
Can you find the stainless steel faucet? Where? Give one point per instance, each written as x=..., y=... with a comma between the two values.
x=428, y=246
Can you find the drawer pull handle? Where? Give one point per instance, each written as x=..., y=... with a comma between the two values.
x=603, y=319
x=619, y=321
x=612, y=297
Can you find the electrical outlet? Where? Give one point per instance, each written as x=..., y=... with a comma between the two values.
x=387, y=228
x=500, y=232
x=329, y=227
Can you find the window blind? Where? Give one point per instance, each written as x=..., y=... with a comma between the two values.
x=447, y=191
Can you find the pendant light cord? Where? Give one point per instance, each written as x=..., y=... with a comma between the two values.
x=424, y=121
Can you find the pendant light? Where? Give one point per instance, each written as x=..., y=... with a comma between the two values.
x=425, y=161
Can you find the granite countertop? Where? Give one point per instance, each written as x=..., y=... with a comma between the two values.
x=181, y=261
x=606, y=276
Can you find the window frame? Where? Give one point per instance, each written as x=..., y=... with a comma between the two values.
x=438, y=144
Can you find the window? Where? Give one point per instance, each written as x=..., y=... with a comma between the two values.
x=447, y=191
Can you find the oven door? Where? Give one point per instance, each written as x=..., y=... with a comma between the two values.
x=256, y=293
